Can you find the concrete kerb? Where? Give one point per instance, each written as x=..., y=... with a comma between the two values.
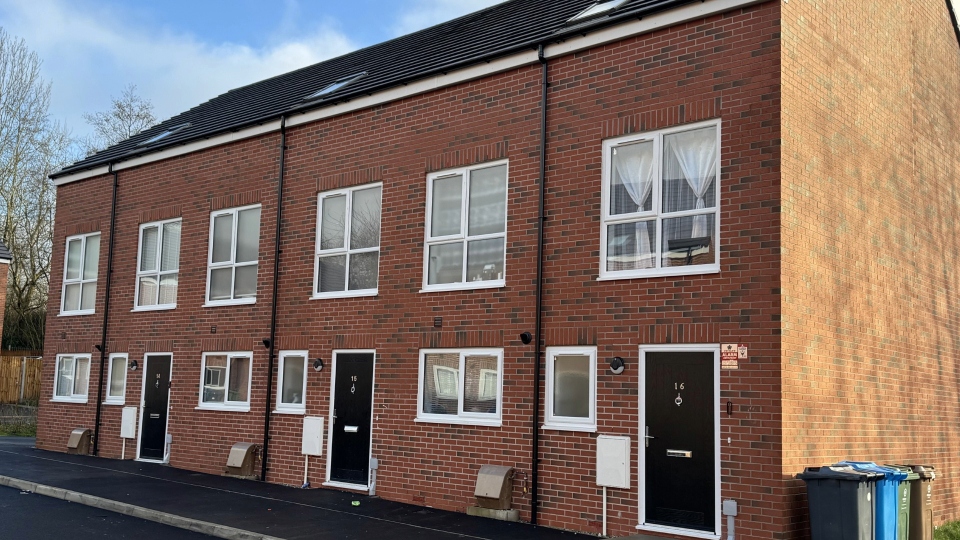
x=195, y=525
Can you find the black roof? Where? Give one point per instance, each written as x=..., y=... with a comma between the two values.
x=5, y=254
x=499, y=30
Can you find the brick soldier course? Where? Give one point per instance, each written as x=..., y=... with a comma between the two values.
x=837, y=159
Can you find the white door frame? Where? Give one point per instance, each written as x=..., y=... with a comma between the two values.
x=143, y=388
x=641, y=454
x=333, y=395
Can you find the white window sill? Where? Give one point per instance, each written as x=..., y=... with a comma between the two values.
x=66, y=399
x=464, y=286
x=298, y=412
x=228, y=408
x=679, y=531
x=558, y=426
x=161, y=307
x=76, y=313
x=237, y=302
x=344, y=485
x=114, y=402
x=661, y=272
x=344, y=294
x=461, y=421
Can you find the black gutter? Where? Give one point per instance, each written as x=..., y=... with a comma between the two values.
x=273, y=308
x=953, y=19
x=106, y=310
x=538, y=348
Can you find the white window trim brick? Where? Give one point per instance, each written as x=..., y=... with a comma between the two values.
x=345, y=250
x=607, y=219
x=121, y=399
x=292, y=408
x=211, y=266
x=237, y=406
x=462, y=418
x=463, y=235
x=72, y=398
x=566, y=423
x=158, y=272
x=83, y=256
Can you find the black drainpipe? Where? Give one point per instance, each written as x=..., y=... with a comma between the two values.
x=106, y=310
x=273, y=308
x=538, y=348
x=953, y=19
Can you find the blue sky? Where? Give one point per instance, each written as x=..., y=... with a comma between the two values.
x=180, y=53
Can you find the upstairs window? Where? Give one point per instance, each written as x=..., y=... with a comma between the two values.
x=661, y=203
x=466, y=228
x=158, y=265
x=234, y=252
x=348, y=242
x=80, y=274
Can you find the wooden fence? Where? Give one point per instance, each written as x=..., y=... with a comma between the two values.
x=20, y=373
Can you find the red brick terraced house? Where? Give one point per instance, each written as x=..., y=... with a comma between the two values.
x=522, y=238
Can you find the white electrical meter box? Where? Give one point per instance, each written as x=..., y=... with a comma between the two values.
x=613, y=461
x=128, y=423
x=312, y=436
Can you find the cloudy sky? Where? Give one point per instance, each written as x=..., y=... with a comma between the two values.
x=180, y=53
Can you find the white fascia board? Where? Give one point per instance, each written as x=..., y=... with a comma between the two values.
x=5, y=261
x=593, y=38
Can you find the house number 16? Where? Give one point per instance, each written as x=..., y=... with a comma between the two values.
x=679, y=399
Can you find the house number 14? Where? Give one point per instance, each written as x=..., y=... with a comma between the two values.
x=679, y=400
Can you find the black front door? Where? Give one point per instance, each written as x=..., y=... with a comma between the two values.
x=156, y=395
x=352, y=408
x=680, y=443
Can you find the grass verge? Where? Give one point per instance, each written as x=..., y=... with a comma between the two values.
x=947, y=531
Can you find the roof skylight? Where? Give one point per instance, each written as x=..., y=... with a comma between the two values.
x=164, y=134
x=597, y=9
x=331, y=88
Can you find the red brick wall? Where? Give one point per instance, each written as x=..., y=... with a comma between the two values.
x=871, y=103
x=724, y=67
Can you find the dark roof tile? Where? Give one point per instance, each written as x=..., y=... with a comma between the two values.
x=495, y=31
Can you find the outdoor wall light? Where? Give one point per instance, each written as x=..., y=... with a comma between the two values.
x=318, y=364
x=526, y=338
x=616, y=365
x=132, y=366
x=266, y=343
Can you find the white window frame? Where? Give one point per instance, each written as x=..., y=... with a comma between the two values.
x=158, y=273
x=462, y=418
x=73, y=397
x=345, y=250
x=78, y=281
x=211, y=266
x=568, y=423
x=656, y=213
x=121, y=399
x=292, y=408
x=238, y=406
x=463, y=237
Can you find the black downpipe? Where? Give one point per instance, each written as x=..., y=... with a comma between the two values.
x=538, y=348
x=953, y=19
x=273, y=308
x=106, y=310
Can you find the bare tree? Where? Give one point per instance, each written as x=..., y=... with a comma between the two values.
x=31, y=147
x=128, y=115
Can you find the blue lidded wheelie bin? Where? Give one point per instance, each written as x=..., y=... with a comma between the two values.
x=885, y=501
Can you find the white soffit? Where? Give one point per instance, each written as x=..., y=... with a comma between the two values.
x=570, y=45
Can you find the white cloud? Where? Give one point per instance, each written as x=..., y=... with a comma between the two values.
x=91, y=54
x=424, y=13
